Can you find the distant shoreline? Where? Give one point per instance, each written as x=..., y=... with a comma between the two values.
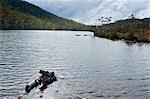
x=131, y=30
x=47, y=30
x=95, y=34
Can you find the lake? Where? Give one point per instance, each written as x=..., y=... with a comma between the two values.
x=85, y=65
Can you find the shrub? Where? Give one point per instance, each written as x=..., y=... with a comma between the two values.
x=129, y=36
x=112, y=35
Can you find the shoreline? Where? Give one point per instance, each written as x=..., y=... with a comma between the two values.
x=123, y=39
x=95, y=34
x=48, y=29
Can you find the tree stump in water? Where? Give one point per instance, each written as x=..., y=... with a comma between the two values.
x=45, y=79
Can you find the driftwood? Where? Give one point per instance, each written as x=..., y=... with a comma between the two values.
x=45, y=79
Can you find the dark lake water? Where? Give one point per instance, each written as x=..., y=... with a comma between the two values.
x=86, y=66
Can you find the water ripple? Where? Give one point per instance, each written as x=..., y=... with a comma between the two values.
x=85, y=66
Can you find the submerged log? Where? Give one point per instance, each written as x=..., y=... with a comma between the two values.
x=45, y=79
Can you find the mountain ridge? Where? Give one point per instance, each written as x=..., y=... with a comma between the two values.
x=21, y=15
x=20, y=7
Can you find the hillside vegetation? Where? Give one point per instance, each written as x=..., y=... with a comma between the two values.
x=129, y=29
x=18, y=14
x=11, y=19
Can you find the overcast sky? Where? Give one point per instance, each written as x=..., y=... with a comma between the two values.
x=88, y=11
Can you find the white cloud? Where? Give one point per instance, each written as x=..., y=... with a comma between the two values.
x=87, y=11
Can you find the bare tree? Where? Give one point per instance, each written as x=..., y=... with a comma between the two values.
x=103, y=20
x=132, y=16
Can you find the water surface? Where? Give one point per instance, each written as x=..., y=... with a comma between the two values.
x=86, y=66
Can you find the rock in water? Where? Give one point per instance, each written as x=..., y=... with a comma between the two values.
x=45, y=79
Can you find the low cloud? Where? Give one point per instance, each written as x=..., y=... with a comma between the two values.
x=88, y=11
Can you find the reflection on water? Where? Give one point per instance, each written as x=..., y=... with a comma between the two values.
x=86, y=66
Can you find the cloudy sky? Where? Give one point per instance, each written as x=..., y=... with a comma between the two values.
x=88, y=11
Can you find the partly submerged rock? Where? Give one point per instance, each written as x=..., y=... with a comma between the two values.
x=45, y=79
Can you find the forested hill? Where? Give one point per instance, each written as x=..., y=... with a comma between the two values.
x=19, y=14
x=129, y=29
